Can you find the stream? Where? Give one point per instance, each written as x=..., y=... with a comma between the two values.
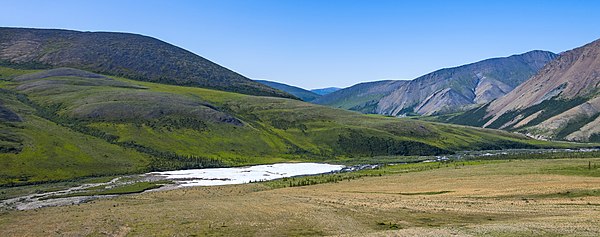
x=234, y=175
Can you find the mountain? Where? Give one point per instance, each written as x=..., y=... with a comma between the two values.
x=303, y=94
x=64, y=124
x=560, y=102
x=121, y=54
x=444, y=91
x=325, y=91
x=361, y=97
x=454, y=89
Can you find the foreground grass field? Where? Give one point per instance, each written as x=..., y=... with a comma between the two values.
x=489, y=198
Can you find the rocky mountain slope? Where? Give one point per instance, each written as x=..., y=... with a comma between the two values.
x=121, y=54
x=561, y=101
x=453, y=89
x=303, y=94
x=443, y=91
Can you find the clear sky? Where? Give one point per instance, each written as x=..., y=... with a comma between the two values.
x=322, y=43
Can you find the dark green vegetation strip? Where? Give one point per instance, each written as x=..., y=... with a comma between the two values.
x=573, y=193
x=474, y=117
x=383, y=170
x=586, y=168
x=410, y=194
x=574, y=125
x=532, y=154
x=569, y=194
x=426, y=193
x=590, y=168
x=549, y=109
x=358, y=144
x=125, y=189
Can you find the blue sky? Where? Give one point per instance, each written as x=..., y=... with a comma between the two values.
x=318, y=43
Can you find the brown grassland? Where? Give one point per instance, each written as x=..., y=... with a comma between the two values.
x=505, y=198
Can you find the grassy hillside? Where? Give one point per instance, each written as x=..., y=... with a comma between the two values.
x=121, y=54
x=70, y=120
x=34, y=150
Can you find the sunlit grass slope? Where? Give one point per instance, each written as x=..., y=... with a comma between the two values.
x=38, y=150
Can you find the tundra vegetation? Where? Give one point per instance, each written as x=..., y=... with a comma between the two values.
x=500, y=197
x=63, y=127
x=67, y=124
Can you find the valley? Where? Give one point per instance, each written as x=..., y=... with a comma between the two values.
x=144, y=126
x=122, y=134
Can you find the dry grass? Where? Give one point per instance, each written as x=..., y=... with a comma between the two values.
x=497, y=199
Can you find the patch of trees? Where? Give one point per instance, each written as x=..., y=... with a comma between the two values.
x=503, y=144
x=473, y=117
x=574, y=125
x=284, y=124
x=11, y=148
x=549, y=109
x=7, y=115
x=541, y=155
x=594, y=137
x=10, y=142
x=368, y=107
x=165, y=160
x=24, y=65
x=358, y=144
x=321, y=179
x=172, y=123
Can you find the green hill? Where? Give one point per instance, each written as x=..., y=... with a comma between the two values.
x=65, y=123
x=121, y=54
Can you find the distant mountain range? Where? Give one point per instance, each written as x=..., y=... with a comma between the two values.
x=444, y=91
x=538, y=93
x=121, y=54
x=303, y=94
x=362, y=97
x=560, y=102
x=325, y=91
